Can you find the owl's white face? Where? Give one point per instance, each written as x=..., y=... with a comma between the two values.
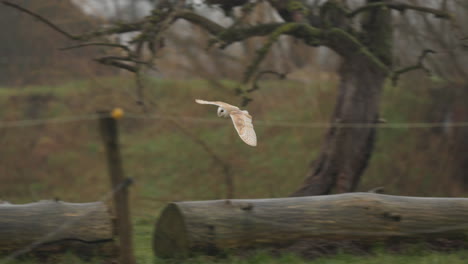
x=222, y=112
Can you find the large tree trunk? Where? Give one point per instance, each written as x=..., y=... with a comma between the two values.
x=346, y=151
x=185, y=228
x=458, y=136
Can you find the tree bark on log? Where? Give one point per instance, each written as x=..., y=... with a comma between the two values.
x=185, y=228
x=55, y=226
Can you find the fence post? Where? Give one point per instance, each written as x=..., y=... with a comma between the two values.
x=110, y=137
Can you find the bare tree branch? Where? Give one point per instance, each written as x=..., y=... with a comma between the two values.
x=40, y=18
x=129, y=59
x=246, y=10
x=290, y=10
x=256, y=86
x=97, y=44
x=227, y=6
x=115, y=29
x=340, y=40
x=245, y=99
x=210, y=26
x=230, y=35
x=116, y=63
x=263, y=51
x=419, y=65
x=311, y=35
x=335, y=38
x=260, y=56
x=401, y=7
x=343, y=42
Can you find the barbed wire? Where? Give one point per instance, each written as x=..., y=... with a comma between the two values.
x=267, y=123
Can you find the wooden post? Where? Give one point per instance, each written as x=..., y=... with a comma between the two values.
x=110, y=136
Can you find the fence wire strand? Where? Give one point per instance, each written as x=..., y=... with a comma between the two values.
x=36, y=122
x=266, y=123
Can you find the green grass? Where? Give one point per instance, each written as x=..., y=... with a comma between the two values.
x=67, y=161
x=261, y=257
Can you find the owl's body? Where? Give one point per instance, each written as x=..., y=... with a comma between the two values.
x=241, y=119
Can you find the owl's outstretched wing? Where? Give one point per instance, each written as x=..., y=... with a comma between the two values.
x=243, y=123
x=218, y=103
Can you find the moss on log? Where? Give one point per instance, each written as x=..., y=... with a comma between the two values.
x=212, y=226
x=54, y=226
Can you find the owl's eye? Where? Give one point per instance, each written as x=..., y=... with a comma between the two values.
x=222, y=110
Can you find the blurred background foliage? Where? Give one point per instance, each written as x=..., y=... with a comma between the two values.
x=66, y=160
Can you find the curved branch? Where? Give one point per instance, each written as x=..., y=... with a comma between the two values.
x=263, y=51
x=255, y=85
x=115, y=29
x=97, y=44
x=210, y=26
x=40, y=18
x=338, y=39
x=260, y=56
x=228, y=35
x=231, y=35
x=401, y=7
x=419, y=65
x=116, y=63
x=246, y=9
x=227, y=5
x=345, y=43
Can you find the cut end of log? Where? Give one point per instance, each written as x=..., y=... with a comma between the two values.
x=210, y=227
x=170, y=236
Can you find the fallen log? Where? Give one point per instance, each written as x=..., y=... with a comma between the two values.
x=185, y=228
x=53, y=226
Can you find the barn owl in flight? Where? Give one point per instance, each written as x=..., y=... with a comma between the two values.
x=240, y=118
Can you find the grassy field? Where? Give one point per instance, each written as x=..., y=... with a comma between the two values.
x=168, y=161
